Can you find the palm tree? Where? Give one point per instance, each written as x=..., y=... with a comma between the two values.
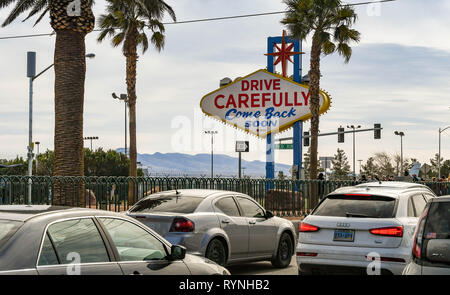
x=125, y=22
x=71, y=21
x=330, y=23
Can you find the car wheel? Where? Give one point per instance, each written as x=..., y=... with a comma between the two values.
x=216, y=252
x=284, y=252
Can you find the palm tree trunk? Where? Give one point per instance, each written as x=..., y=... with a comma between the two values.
x=314, y=87
x=131, y=63
x=70, y=70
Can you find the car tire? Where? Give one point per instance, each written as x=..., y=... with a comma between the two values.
x=216, y=252
x=284, y=252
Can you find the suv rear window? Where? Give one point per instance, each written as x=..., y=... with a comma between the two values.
x=438, y=221
x=7, y=229
x=175, y=204
x=357, y=206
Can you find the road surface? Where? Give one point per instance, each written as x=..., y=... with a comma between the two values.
x=263, y=268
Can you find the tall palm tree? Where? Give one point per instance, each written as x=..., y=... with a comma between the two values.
x=329, y=22
x=71, y=20
x=125, y=22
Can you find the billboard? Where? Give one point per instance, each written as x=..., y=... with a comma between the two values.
x=262, y=103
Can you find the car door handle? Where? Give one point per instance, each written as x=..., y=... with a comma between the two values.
x=252, y=222
x=226, y=221
x=136, y=273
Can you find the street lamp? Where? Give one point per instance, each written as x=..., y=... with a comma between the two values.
x=91, y=138
x=401, y=134
x=439, y=158
x=212, y=132
x=354, y=157
x=123, y=97
x=31, y=74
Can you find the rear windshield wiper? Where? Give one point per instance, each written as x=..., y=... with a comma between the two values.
x=348, y=214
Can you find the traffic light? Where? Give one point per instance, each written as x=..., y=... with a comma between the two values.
x=341, y=135
x=305, y=138
x=377, y=132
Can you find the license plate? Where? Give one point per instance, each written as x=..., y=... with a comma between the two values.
x=344, y=235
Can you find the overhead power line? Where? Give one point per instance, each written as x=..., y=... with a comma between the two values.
x=204, y=19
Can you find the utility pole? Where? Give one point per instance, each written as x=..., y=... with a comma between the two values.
x=31, y=74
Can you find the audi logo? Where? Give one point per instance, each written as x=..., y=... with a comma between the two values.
x=343, y=224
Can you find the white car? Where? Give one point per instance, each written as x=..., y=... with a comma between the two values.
x=431, y=245
x=365, y=229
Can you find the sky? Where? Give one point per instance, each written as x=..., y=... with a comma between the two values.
x=398, y=77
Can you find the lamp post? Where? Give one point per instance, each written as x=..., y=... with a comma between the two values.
x=91, y=138
x=123, y=97
x=354, y=157
x=31, y=74
x=439, y=157
x=401, y=134
x=212, y=132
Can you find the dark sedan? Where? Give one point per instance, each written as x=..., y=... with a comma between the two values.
x=41, y=240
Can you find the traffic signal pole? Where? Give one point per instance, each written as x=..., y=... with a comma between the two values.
x=332, y=133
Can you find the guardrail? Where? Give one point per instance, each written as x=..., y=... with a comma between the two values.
x=283, y=197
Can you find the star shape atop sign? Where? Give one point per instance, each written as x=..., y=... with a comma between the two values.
x=284, y=54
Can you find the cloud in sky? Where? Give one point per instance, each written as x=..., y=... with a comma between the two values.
x=397, y=77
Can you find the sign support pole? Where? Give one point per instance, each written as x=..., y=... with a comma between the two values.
x=240, y=169
x=270, y=148
x=298, y=126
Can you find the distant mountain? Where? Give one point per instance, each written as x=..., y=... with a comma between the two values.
x=176, y=164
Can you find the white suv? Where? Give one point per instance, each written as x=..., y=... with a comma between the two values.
x=365, y=229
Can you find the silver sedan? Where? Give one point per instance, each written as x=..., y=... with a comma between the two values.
x=226, y=227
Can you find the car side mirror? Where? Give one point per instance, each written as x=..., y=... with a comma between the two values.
x=177, y=252
x=438, y=250
x=269, y=214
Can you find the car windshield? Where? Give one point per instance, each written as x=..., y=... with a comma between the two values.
x=438, y=221
x=7, y=229
x=173, y=204
x=356, y=206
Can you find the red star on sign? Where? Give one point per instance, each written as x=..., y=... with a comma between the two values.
x=284, y=54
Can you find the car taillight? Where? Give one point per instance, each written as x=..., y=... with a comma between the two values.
x=416, y=248
x=396, y=231
x=305, y=227
x=182, y=225
x=306, y=254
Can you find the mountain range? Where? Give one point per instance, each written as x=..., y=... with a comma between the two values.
x=178, y=164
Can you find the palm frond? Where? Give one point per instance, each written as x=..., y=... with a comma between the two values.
x=41, y=16
x=158, y=40
x=38, y=6
x=127, y=16
x=345, y=51
x=21, y=6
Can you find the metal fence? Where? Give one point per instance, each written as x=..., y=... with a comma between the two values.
x=283, y=197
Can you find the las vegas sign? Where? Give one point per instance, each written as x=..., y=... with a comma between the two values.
x=262, y=103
